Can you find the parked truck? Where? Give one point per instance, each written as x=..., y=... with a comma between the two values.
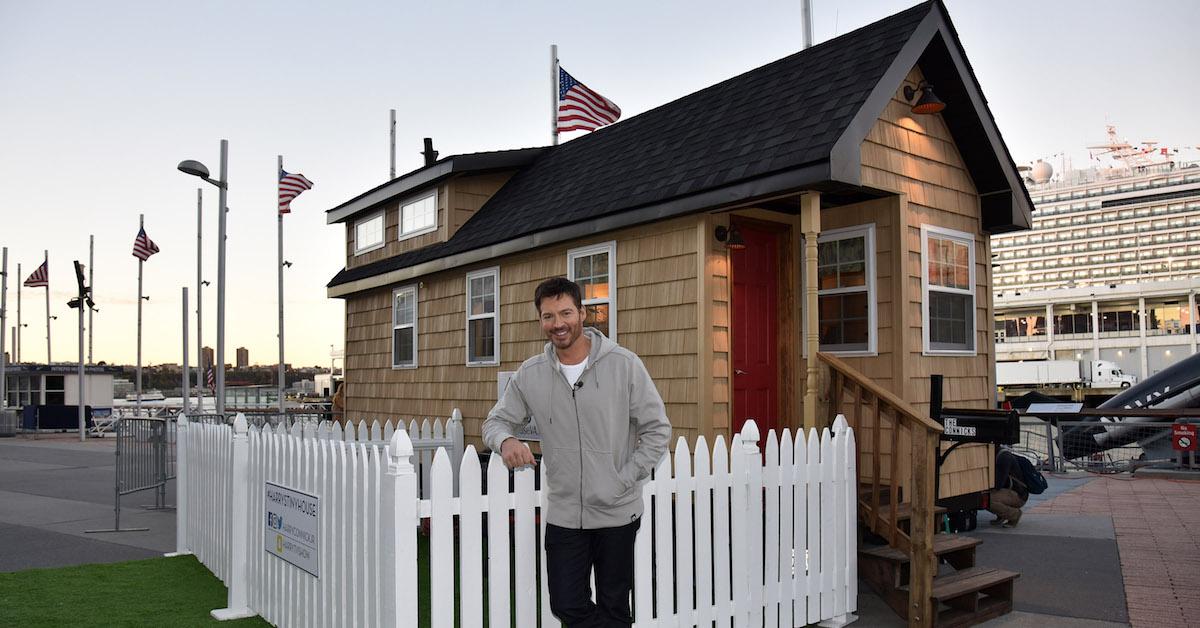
x=1079, y=373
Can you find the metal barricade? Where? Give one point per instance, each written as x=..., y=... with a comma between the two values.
x=145, y=451
x=1112, y=447
x=9, y=421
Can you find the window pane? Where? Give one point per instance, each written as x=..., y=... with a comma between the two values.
x=368, y=233
x=404, y=308
x=419, y=215
x=844, y=324
x=827, y=253
x=851, y=250
x=827, y=277
x=951, y=325
x=402, y=347
x=962, y=277
x=482, y=338
x=597, y=316
x=852, y=275
x=591, y=273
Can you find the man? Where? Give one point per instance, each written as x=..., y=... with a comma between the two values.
x=603, y=429
x=1010, y=492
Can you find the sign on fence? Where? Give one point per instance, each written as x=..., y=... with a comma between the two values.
x=291, y=531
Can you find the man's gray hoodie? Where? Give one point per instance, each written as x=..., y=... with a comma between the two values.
x=600, y=437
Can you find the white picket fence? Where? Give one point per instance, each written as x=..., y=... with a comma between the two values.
x=733, y=535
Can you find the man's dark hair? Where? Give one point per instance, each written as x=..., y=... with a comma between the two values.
x=552, y=288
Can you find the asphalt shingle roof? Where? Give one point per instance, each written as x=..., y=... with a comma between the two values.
x=781, y=116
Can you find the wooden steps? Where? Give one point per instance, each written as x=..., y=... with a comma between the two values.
x=972, y=596
x=966, y=597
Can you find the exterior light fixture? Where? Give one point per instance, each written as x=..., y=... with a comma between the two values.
x=928, y=102
x=731, y=237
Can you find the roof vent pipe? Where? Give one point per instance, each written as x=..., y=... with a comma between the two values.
x=806, y=17
x=430, y=154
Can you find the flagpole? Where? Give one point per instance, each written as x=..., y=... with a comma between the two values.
x=392, y=171
x=138, y=406
x=3, y=326
x=200, y=374
x=187, y=394
x=554, y=94
x=81, y=405
x=279, y=268
x=17, y=335
x=91, y=276
x=46, y=261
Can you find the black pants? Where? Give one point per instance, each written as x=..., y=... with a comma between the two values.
x=570, y=557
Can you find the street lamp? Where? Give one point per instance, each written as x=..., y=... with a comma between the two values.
x=197, y=169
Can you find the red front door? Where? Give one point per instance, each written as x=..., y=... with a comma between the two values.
x=755, y=322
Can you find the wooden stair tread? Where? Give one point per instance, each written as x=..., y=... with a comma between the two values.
x=942, y=544
x=967, y=581
x=904, y=511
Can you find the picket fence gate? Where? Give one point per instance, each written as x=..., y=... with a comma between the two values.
x=732, y=536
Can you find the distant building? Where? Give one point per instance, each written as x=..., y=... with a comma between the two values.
x=243, y=357
x=1111, y=268
x=206, y=357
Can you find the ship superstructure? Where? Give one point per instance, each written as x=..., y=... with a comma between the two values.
x=1111, y=268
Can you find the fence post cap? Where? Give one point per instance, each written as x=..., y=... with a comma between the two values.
x=239, y=424
x=182, y=418
x=456, y=416
x=400, y=446
x=840, y=424
x=750, y=432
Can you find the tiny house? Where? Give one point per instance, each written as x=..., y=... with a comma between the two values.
x=836, y=202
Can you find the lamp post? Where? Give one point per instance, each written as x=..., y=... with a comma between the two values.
x=197, y=169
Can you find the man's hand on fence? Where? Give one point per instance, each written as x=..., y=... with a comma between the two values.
x=516, y=454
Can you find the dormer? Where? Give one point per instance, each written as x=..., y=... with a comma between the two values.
x=424, y=207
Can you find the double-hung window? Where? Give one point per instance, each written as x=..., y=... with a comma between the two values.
x=418, y=216
x=368, y=233
x=594, y=268
x=404, y=327
x=846, y=290
x=483, y=317
x=948, y=283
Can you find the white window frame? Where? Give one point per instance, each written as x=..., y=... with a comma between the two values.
x=494, y=273
x=358, y=249
x=866, y=231
x=416, y=318
x=609, y=247
x=962, y=238
x=404, y=235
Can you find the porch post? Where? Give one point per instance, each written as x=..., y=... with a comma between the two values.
x=810, y=224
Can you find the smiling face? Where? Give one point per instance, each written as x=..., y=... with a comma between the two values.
x=562, y=322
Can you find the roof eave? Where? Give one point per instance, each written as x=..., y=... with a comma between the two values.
x=1003, y=207
x=429, y=175
x=791, y=180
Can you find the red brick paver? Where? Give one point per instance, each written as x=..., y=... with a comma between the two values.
x=1157, y=523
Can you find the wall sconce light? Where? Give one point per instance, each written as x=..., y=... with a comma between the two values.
x=928, y=102
x=731, y=237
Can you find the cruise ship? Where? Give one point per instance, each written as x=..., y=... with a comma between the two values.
x=1111, y=268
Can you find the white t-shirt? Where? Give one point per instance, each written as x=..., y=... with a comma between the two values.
x=573, y=371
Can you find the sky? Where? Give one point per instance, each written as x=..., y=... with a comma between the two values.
x=100, y=101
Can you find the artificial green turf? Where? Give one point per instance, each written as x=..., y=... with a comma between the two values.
x=175, y=592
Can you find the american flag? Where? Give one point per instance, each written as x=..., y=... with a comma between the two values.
x=581, y=109
x=40, y=277
x=143, y=246
x=212, y=379
x=290, y=186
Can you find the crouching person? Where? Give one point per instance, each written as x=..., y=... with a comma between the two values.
x=1010, y=492
x=603, y=429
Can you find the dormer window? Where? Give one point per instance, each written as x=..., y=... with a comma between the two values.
x=418, y=216
x=368, y=233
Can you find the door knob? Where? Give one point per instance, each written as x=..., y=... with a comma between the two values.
x=739, y=372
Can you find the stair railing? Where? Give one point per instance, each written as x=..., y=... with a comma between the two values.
x=880, y=503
